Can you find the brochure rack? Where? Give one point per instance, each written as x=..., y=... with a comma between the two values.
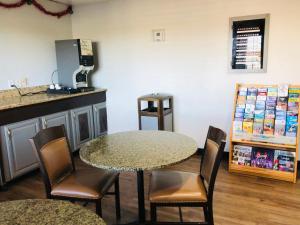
x=264, y=141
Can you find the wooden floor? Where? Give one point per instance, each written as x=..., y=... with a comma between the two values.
x=238, y=199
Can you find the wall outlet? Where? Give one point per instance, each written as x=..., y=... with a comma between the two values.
x=10, y=83
x=18, y=83
x=23, y=82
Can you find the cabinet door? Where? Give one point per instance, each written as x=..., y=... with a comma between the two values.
x=58, y=119
x=100, y=119
x=82, y=125
x=21, y=156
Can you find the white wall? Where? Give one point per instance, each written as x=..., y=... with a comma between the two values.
x=191, y=64
x=27, y=43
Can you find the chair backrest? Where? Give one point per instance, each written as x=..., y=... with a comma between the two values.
x=55, y=156
x=211, y=159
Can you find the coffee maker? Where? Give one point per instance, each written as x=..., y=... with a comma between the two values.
x=75, y=61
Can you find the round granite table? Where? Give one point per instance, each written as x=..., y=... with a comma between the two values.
x=46, y=211
x=137, y=151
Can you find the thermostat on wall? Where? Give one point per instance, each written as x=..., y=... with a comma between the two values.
x=158, y=35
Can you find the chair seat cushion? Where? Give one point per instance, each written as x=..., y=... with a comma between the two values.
x=91, y=183
x=175, y=186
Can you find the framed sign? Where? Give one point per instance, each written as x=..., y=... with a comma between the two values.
x=249, y=43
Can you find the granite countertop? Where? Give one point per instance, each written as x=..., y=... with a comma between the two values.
x=138, y=150
x=50, y=212
x=9, y=99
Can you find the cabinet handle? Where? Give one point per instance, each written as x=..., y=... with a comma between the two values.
x=9, y=132
x=45, y=123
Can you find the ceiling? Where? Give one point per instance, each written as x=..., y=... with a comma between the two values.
x=80, y=2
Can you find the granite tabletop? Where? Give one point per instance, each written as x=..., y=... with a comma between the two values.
x=42, y=212
x=9, y=99
x=138, y=150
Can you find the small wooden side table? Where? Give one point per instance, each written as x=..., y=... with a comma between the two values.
x=156, y=112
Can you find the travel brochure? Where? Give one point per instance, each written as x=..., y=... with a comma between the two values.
x=284, y=161
x=242, y=155
x=271, y=111
x=263, y=158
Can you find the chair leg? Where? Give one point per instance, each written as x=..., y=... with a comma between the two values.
x=205, y=212
x=153, y=212
x=210, y=215
x=99, y=208
x=180, y=214
x=117, y=199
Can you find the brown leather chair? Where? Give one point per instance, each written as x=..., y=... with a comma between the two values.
x=62, y=180
x=183, y=189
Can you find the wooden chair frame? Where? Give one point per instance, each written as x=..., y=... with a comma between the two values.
x=219, y=137
x=49, y=134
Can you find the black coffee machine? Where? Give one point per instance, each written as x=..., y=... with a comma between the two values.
x=75, y=61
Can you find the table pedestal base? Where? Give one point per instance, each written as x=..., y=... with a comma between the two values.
x=133, y=223
x=165, y=223
x=141, y=200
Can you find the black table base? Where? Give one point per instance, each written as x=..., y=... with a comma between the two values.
x=141, y=196
x=141, y=201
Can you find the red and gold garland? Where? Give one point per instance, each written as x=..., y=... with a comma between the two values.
x=20, y=3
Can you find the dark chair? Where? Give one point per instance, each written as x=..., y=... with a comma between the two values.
x=63, y=181
x=183, y=189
